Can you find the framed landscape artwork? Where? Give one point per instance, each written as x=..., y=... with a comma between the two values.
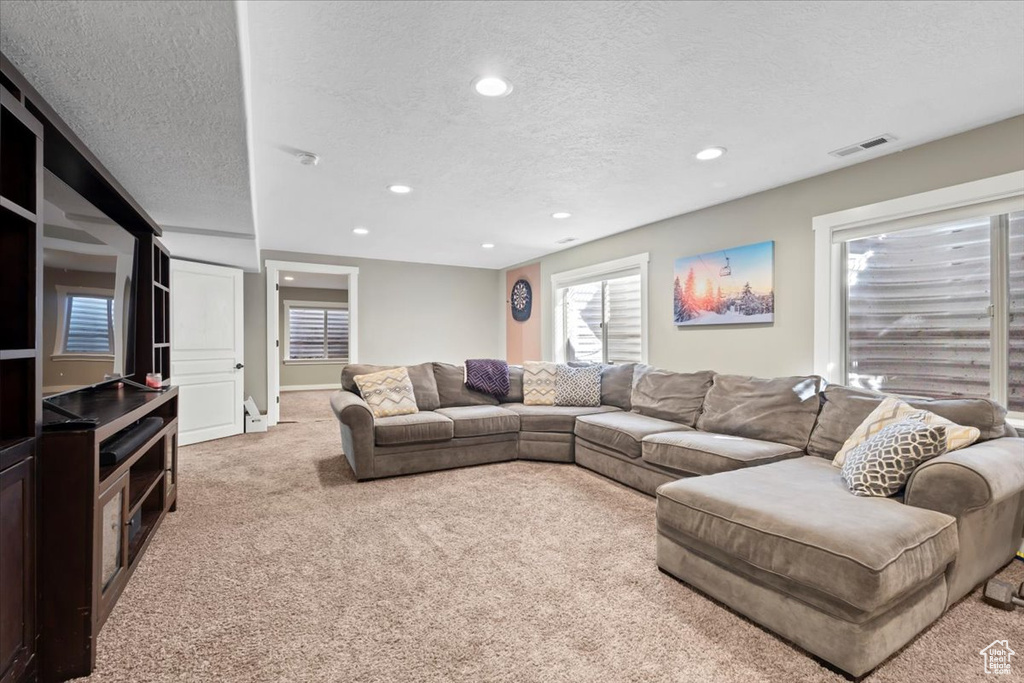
x=728, y=287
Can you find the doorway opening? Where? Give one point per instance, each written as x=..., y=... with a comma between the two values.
x=312, y=328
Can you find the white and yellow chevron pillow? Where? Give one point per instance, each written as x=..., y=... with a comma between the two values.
x=893, y=410
x=539, y=383
x=388, y=392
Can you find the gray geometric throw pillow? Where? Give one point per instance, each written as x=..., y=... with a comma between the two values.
x=881, y=465
x=578, y=386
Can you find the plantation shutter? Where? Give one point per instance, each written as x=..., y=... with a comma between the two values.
x=624, y=330
x=602, y=320
x=89, y=326
x=337, y=333
x=583, y=315
x=918, y=319
x=1015, y=393
x=317, y=333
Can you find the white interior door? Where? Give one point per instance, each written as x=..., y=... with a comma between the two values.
x=206, y=350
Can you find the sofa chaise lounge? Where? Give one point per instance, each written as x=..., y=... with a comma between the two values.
x=750, y=510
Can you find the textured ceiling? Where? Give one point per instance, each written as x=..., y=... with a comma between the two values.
x=154, y=89
x=611, y=101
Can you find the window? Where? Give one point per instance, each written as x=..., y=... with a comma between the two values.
x=85, y=324
x=601, y=312
x=316, y=332
x=924, y=295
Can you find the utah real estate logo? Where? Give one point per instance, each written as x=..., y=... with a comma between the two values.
x=997, y=657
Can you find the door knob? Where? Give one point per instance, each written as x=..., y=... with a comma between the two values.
x=238, y=366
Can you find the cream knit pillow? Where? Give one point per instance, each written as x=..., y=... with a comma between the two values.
x=539, y=383
x=893, y=410
x=388, y=392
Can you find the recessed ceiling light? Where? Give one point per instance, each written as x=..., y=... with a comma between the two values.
x=400, y=189
x=361, y=231
x=289, y=278
x=307, y=158
x=487, y=245
x=561, y=214
x=710, y=153
x=492, y=86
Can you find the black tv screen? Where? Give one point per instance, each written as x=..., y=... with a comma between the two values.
x=90, y=268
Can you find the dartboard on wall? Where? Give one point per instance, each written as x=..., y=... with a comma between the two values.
x=521, y=300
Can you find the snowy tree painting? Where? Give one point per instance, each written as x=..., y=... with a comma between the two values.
x=728, y=287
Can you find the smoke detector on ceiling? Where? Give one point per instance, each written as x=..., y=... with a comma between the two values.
x=307, y=158
x=871, y=143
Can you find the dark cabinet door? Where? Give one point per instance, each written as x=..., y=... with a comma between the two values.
x=17, y=570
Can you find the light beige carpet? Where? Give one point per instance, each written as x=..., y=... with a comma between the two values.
x=306, y=406
x=279, y=567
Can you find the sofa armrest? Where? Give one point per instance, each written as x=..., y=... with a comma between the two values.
x=984, y=474
x=982, y=486
x=356, y=421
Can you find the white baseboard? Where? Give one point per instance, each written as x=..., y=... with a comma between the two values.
x=310, y=387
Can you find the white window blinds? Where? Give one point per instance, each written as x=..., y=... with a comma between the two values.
x=89, y=324
x=602, y=320
x=931, y=311
x=316, y=333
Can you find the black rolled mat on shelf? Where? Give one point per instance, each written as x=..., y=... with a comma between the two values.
x=127, y=442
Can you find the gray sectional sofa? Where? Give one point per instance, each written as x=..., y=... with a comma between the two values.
x=750, y=509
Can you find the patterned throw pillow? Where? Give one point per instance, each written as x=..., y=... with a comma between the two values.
x=881, y=465
x=578, y=386
x=893, y=410
x=538, y=383
x=388, y=392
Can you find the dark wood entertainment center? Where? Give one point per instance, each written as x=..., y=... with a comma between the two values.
x=72, y=532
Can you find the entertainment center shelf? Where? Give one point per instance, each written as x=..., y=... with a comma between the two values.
x=116, y=509
x=73, y=530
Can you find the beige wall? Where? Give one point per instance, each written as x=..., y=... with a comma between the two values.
x=59, y=375
x=782, y=214
x=307, y=374
x=408, y=313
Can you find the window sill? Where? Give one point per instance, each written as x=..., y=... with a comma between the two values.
x=315, y=361
x=78, y=357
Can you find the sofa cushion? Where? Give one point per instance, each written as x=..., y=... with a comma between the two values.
x=796, y=521
x=676, y=396
x=452, y=390
x=481, y=420
x=622, y=432
x=388, y=392
x=420, y=427
x=617, y=385
x=515, y=384
x=578, y=386
x=844, y=409
x=699, y=453
x=424, y=385
x=782, y=409
x=539, y=383
x=552, y=418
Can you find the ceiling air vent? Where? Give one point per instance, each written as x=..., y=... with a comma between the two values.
x=861, y=146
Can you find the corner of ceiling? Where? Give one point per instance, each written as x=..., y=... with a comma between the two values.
x=245, y=64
